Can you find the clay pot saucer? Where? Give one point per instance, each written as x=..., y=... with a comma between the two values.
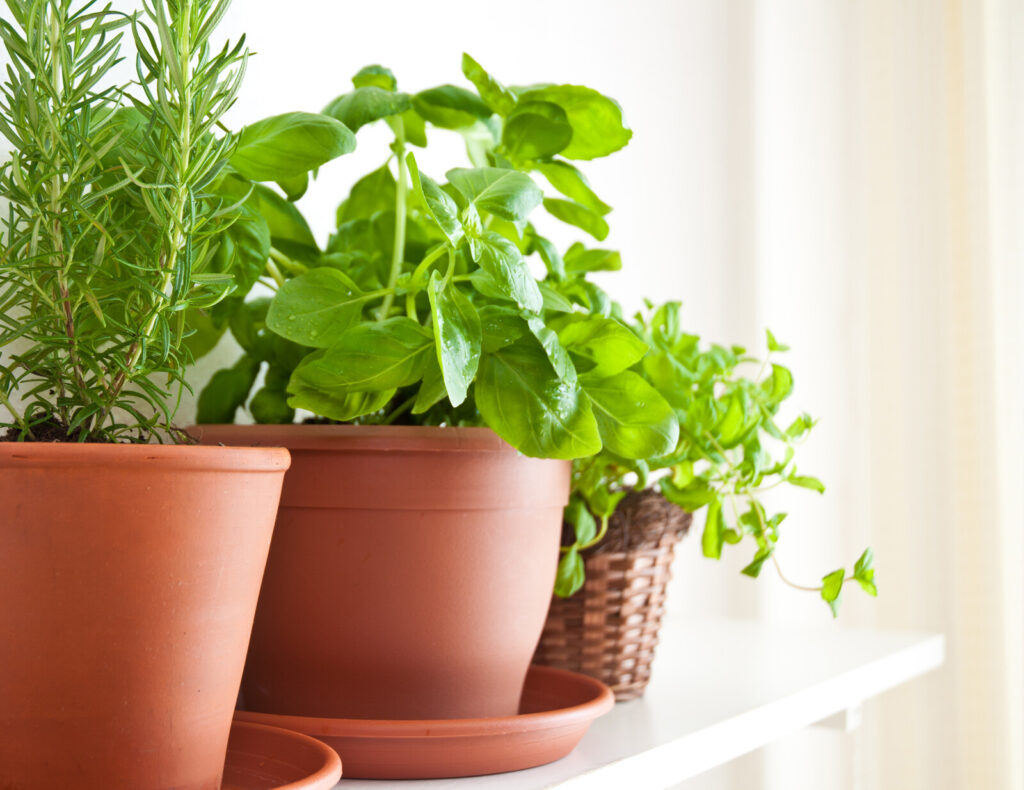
x=269, y=758
x=556, y=710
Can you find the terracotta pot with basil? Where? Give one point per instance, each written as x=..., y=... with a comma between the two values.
x=417, y=547
x=130, y=560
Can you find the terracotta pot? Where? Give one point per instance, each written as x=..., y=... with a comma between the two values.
x=409, y=575
x=129, y=576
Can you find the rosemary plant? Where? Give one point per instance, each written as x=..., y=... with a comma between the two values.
x=108, y=228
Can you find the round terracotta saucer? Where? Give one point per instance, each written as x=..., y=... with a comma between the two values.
x=269, y=758
x=556, y=710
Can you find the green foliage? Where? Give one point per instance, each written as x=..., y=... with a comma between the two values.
x=108, y=238
x=423, y=306
x=726, y=452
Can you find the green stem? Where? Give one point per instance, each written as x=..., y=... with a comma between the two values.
x=599, y=536
x=286, y=263
x=18, y=418
x=430, y=258
x=402, y=409
x=398, y=253
x=275, y=273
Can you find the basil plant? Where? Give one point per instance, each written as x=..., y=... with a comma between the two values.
x=423, y=307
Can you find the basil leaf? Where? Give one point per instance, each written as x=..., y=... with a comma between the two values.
x=583, y=523
x=431, y=389
x=578, y=215
x=524, y=402
x=536, y=130
x=382, y=355
x=568, y=180
x=579, y=259
x=270, y=407
x=504, y=193
x=316, y=308
x=553, y=349
x=494, y=94
x=438, y=202
x=571, y=573
x=372, y=193
x=773, y=344
x=549, y=254
x=753, y=570
x=779, y=385
x=367, y=104
x=340, y=406
x=290, y=144
x=226, y=391
x=450, y=107
x=295, y=187
x=596, y=119
x=457, y=336
x=634, y=420
x=501, y=326
x=501, y=261
x=376, y=76
x=289, y=231
x=605, y=342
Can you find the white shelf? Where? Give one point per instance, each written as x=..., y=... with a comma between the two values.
x=720, y=689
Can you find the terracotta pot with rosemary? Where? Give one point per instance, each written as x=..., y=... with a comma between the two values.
x=625, y=517
x=130, y=562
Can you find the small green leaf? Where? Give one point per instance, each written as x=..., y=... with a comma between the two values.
x=556, y=353
x=504, y=193
x=535, y=130
x=367, y=104
x=583, y=523
x=568, y=180
x=503, y=263
x=495, y=95
x=376, y=76
x=832, y=590
x=609, y=345
x=226, y=391
x=549, y=254
x=288, y=145
x=773, y=344
x=438, y=202
x=714, y=528
x=579, y=259
x=596, y=120
x=457, y=337
x=753, y=570
x=806, y=481
x=432, y=387
x=571, y=573
x=450, y=107
x=864, y=573
x=340, y=406
x=779, y=385
x=372, y=193
x=315, y=308
x=578, y=215
x=270, y=407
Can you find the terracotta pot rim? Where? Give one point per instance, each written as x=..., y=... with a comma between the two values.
x=160, y=456
x=382, y=438
x=602, y=701
x=330, y=769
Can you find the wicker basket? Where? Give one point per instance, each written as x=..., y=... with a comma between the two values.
x=609, y=629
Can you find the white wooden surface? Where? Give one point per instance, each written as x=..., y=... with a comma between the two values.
x=720, y=689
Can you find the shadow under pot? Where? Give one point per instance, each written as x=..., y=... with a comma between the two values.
x=410, y=572
x=128, y=579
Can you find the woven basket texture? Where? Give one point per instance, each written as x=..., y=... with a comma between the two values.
x=609, y=629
